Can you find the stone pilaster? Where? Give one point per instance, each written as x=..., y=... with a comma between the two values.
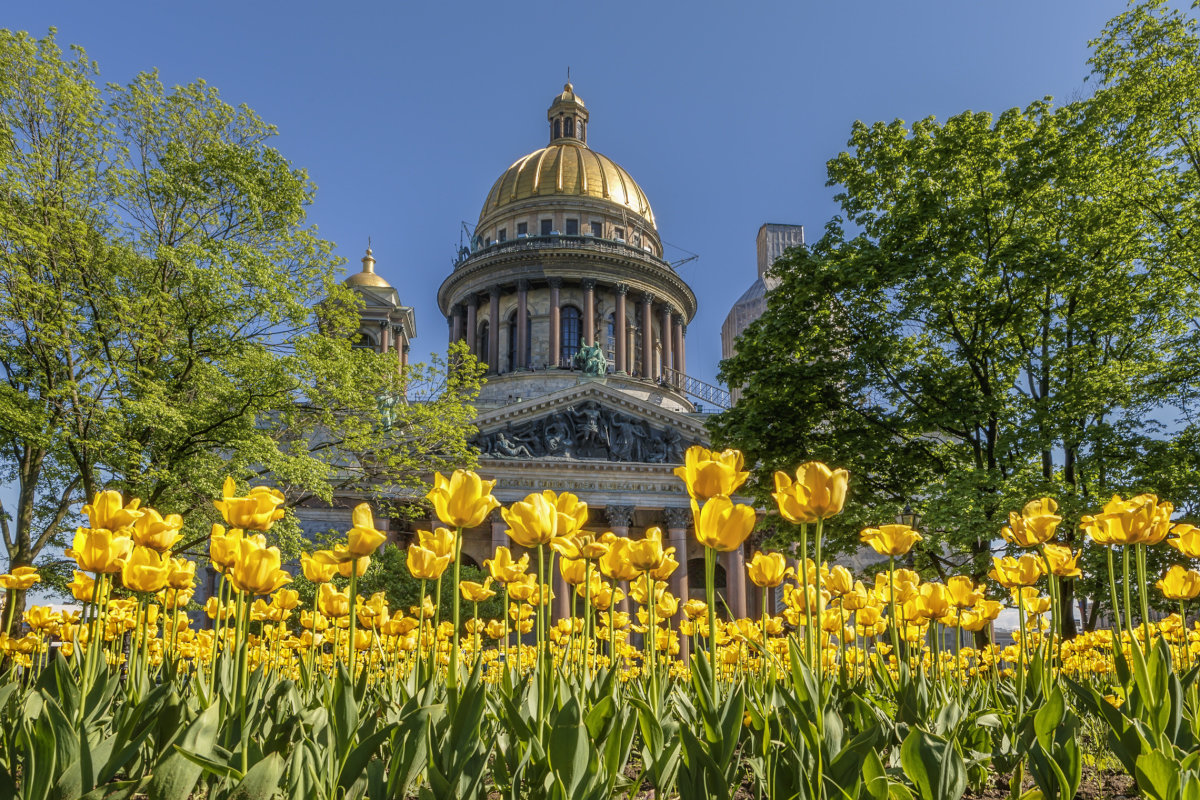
x=522, y=323
x=647, y=335
x=554, y=357
x=619, y=326
x=735, y=581
x=589, y=311
x=493, y=354
x=472, y=331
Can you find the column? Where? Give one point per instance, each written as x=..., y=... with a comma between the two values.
x=384, y=340
x=677, y=520
x=493, y=354
x=589, y=311
x=735, y=581
x=450, y=326
x=681, y=350
x=554, y=357
x=677, y=334
x=560, y=607
x=499, y=537
x=647, y=335
x=522, y=324
x=619, y=328
x=404, y=355
x=472, y=331
x=666, y=334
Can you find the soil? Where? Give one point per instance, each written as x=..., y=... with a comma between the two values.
x=1106, y=784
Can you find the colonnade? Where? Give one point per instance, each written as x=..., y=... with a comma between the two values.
x=672, y=341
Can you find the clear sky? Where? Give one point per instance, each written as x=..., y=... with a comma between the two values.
x=405, y=113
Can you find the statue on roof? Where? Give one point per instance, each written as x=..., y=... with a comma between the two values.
x=590, y=360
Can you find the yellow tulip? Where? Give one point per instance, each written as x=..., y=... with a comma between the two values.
x=503, y=568
x=441, y=541
x=1012, y=572
x=584, y=546
x=424, y=564
x=572, y=512
x=615, y=564
x=1062, y=561
x=100, y=549
x=286, y=599
x=1179, y=584
x=574, y=570
x=823, y=492
x=962, y=592
x=363, y=539
x=21, y=579
x=463, y=500
x=664, y=570
x=708, y=474
x=604, y=594
x=1034, y=525
x=695, y=609
x=83, y=587
x=1187, y=540
x=523, y=589
x=1139, y=520
x=934, y=600
x=837, y=579
x=257, y=570
x=647, y=554
x=109, y=512
x=157, y=532
x=341, y=559
x=145, y=570
x=316, y=571
x=723, y=525
x=474, y=592
x=667, y=606
x=182, y=574
x=333, y=603
x=534, y=521
x=890, y=540
x=257, y=511
x=768, y=570
x=1159, y=523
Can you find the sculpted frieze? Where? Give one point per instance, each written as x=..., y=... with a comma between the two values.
x=586, y=431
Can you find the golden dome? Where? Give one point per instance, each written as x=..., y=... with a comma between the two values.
x=368, y=276
x=567, y=168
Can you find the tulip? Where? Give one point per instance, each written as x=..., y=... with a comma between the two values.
x=664, y=570
x=1187, y=540
x=768, y=570
x=823, y=494
x=574, y=570
x=538, y=519
x=1011, y=572
x=257, y=570
x=1179, y=584
x=83, y=587
x=890, y=540
x=157, y=532
x=257, y=511
x=21, y=579
x=1035, y=525
x=962, y=592
x=647, y=554
x=424, y=564
x=182, y=574
x=615, y=564
x=708, y=474
x=363, y=539
x=107, y=511
x=463, y=500
x=315, y=570
x=1062, y=561
x=145, y=570
x=503, y=568
x=99, y=550
x=474, y=592
x=333, y=603
x=723, y=525
x=584, y=546
x=838, y=580
x=441, y=541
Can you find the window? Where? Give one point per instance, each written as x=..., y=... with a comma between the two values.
x=572, y=227
x=571, y=327
x=547, y=226
x=610, y=342
x=522, y=229
x=619, y=234
x=569, y=126
x=502, y=235
x=365, y=341
x=557, y=129
x=512, y=339
x=597, y=229
x=484, y=343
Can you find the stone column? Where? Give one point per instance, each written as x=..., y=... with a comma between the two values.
x=493, y=354
x=647, y=335
x=499, y=537
x=666, y=334
x=472, y=329
x=589, y=311
x=681, y=350
x=735, y=581
x=450, y=327
x=554, y=359
x=404, y=355
x=522, y=324
x=678, y=520
x=630, y=355
x=619, y=328
x=677, y=335
x=384, y=339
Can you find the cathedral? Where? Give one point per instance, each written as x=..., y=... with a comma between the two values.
x=565, y=295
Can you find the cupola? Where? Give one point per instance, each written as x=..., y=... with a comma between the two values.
x=568, y=117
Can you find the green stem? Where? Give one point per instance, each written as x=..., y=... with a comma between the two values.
x=454, y=639
x=710, y=571
x=353, y=617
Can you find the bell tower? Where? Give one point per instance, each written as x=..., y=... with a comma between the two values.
x=568, y=117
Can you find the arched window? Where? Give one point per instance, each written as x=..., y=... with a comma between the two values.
x=569, y=126
x=610, y=341
x=571, y=330
x=366, y=341
x=483, y=347
x=557, y=129
x=695, y=567
x=512, y=339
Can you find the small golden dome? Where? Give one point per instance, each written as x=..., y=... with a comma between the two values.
x=368, y=277
x=568, y=95
x=567, y=168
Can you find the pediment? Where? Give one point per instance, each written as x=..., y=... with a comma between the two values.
x=588, y=422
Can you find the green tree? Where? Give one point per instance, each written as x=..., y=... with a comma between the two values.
x=990, y=333
x=170, y=316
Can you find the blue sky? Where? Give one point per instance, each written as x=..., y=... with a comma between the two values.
x=404, y=113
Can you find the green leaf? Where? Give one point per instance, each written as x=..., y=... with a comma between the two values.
x=933, y=765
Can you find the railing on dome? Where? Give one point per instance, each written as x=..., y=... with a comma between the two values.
x=694, y=387
x=561, y=242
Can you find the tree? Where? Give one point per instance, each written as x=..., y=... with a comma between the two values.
x=990, y=334
x=170, y=317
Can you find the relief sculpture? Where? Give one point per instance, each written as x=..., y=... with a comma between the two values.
x=586, y=430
